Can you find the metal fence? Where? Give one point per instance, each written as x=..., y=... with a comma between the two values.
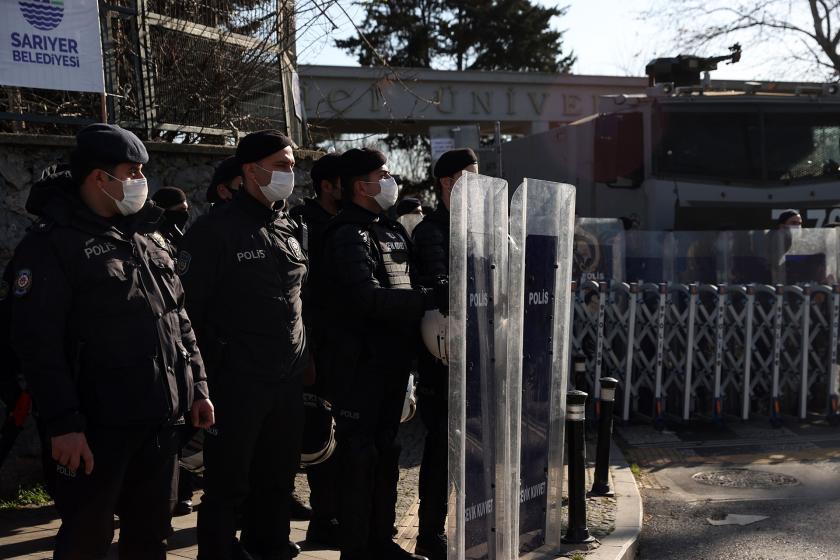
x=185, y=70
x=710, y=350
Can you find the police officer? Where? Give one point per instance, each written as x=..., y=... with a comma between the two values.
x=106, y=347
x=431, y=240
x=316, y=213
x=244, y=269
x=373, y=335
x=227, y=178
x=176, y=212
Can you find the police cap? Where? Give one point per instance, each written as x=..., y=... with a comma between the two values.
x=326, y=167
x=261, y=144
x=227, y=170
x=167, y=197
x=407, y=206
x=109, y=143
x=453, y=161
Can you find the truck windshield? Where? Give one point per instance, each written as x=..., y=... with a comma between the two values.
x=749, y=145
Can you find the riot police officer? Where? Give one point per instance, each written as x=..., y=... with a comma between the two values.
x=106, y=347
x=372, y=337
x=244, y=269
x=227, y=179
x=315, y=213
x=176, y=213
x=431, y=240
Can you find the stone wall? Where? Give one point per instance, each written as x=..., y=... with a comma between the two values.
x=190, y=167
x=23, y=158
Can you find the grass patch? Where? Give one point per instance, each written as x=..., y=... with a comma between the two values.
x=578, y=556
x=35, y=495
x=636, y=470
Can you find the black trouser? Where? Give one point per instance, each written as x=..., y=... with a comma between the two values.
x=324, y=486
x=432, y=406
x=134, y=475
x=323, y=478
x=367, y=416
x=254, y=448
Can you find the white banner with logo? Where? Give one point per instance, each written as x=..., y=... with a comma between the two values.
x=51, y=44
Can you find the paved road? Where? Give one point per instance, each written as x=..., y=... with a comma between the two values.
x=803, y=516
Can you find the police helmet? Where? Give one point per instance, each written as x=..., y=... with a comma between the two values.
x=435, y=331
x=192, y=454
x=410, y=402
x=318, y=442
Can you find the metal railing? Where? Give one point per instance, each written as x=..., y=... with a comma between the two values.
x=710, y=350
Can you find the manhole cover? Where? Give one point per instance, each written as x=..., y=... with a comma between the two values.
x=744, y=478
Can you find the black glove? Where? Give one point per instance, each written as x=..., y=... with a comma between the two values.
x=441, y=291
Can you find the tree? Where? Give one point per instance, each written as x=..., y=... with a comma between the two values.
x=466, y=35
x=810, y=30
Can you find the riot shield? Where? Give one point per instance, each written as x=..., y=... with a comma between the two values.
x=598, y=250
x=479, y=434
x=804, y=256
x=745, y=257
x=694, y=257
x=541, y=234
x=646, y=260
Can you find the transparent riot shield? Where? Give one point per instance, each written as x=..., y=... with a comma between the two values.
x=479, y=421
x=541, y=234
x=745, y=257
x=646, y=260
x=694, y=255
x=598, y=250
x=803, y=256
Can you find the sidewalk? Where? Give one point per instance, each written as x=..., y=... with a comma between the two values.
x=28, y=533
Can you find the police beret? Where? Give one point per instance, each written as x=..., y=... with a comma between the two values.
x=109, y=143
x=407, y=205
x=453, y=161
x=227, y=170
x=167, y=197
x=261, y=144
x=327, y=167
x=361, y=161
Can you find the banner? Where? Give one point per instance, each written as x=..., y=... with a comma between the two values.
x=51, y=44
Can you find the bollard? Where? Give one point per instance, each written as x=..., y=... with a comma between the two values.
x=579, y=379
x=577, y=533
x=601, y=486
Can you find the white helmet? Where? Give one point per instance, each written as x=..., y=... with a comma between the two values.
x=192, y=453
x=410, y=402
x=435, y=330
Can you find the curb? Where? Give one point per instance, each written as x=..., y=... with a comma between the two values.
x=623, y=542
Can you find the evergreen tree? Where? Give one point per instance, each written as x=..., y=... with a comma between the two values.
x=461, y=34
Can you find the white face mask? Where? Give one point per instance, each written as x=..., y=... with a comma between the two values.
x=388, y=193
x=135, y=192
x=280, y=187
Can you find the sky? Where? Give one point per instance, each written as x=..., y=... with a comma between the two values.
x=610, y=37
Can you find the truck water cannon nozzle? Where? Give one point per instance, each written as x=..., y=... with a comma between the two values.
x=685, y=69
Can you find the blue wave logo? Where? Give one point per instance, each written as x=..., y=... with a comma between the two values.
x=42, y=14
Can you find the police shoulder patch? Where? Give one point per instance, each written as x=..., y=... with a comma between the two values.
x=184, y=259
x=23, y=282
x=294, y=247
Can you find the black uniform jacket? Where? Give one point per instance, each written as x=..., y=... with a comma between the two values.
x=431, y=242
x=314, y=220
x=244, y=268
x=373, y=312
x=98, y=318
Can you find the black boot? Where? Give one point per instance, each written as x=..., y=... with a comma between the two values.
x=393, y=551
x=323, y=532
x=434, y=547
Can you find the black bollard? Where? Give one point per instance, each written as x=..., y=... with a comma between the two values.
x=601, y=486
x=577, y=533
x=580, y=372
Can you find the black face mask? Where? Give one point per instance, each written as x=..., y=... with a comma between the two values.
x=177, y=218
